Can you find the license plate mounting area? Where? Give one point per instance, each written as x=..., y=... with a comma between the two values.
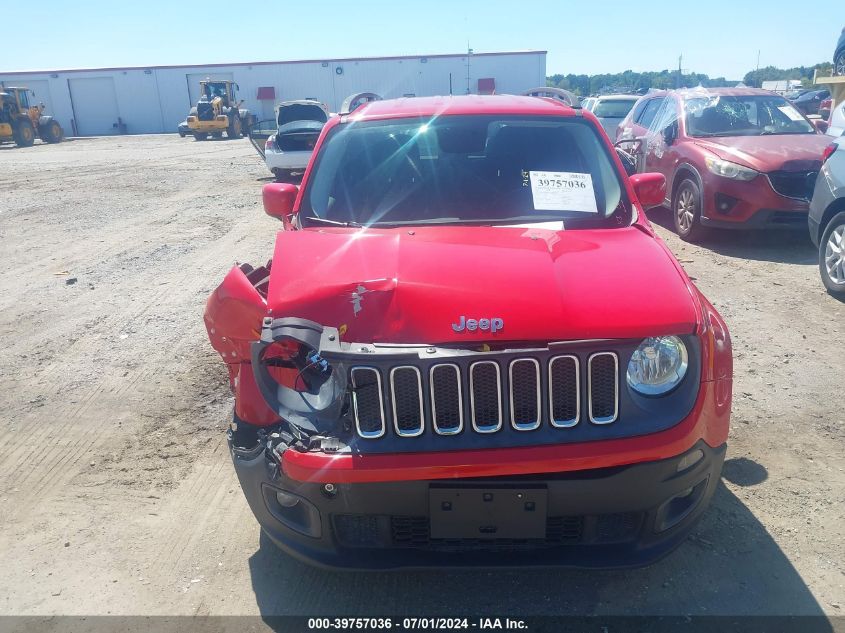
x=487, y=513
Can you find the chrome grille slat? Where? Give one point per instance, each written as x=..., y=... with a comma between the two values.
x=484, y=376
x=564, y=391
x=368, y=402
x=525, y=398
x=407, y=398
x=447, y=404
x=603, y=387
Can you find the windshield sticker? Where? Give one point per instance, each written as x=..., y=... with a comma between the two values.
x=791, y=112
x=563, y=191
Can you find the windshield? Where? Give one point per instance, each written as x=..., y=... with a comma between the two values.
x=614, y=108
x=465, y=169
x=752, y=115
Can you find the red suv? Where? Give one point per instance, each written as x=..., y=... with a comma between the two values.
x=470, y=348
x=732, y=157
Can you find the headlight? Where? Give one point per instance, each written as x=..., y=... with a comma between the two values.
x=730, y=170
x=658, y=365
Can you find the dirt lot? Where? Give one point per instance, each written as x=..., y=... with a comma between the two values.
x=116, y=488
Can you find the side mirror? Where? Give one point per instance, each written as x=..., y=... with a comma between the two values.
x=650, y=189
x=820, y=124
x=279, y=198
x=670, y=133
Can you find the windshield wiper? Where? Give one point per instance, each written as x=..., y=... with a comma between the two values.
x=317, y=220
x=438, y=221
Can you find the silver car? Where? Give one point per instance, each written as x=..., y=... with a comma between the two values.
x=827, y=218
x=611, y=109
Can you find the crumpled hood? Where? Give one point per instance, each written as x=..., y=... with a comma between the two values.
x=411, y=285
x=790, y=152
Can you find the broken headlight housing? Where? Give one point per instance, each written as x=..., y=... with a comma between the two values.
x=658, y=365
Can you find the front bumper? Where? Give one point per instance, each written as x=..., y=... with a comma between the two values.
x=221, y=122
x=749, y=205
x=618, y=516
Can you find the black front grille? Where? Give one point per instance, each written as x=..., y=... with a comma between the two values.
x=447, y=408
x=406, y=389
x=521, y=394
x=525, y=393
x=563, y=389
x=603, y=388
x=367, y=400
x=486, y=396
x=205, y=111
x=794, y=184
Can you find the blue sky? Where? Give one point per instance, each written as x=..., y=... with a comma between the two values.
x=716, y=37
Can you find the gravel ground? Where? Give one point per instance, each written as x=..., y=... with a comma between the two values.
x=117, y=493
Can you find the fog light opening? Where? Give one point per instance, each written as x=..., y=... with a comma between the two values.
x=286, y=499
x=293, y=511
x=725, y=203
x=680, y=506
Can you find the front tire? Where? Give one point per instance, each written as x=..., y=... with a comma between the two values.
x=234, y=129
x=832, y=256
x=200, y=136
x=51, y=132
x=24, y=134
x=686, y=211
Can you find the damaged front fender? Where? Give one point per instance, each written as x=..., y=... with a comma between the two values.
x=315, y=408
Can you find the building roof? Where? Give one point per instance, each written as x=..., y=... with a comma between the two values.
x=330, y=60
x=462, y=104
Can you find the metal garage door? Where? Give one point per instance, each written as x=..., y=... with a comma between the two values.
x=94, y=105
x=194, y=83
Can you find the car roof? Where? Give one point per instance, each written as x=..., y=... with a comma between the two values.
x=691, y=93
x=622, y=96
x=463, y=104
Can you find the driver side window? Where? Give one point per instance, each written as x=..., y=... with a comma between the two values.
x=647, y=116
x=667, y=114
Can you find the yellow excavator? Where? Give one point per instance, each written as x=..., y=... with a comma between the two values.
x=217, y=112
x=22, y=122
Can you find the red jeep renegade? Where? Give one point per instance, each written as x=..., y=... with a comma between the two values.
x=470, y=348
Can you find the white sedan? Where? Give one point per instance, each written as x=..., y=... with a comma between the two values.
x=288, y=150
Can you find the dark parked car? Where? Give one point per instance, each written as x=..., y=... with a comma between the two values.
x=827, y=218
x=839, y=56
x=732, y=157
x=809, y=102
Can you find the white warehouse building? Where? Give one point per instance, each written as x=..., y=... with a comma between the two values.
x=155, y=99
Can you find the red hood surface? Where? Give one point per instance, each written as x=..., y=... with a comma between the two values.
x=790, y=152
x=410, y=286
